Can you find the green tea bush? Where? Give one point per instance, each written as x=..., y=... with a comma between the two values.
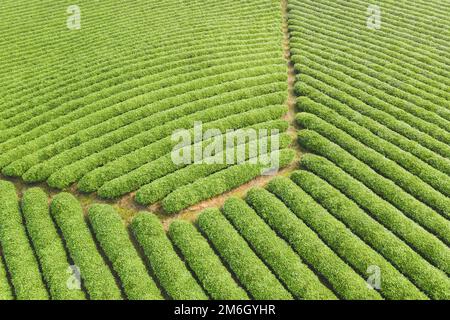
x=252, y=273
x=113, y=237
x=167, y=266
x=202, y=259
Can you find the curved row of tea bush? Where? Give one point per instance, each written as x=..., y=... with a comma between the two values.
x=203, y=261
x=335, y=234
x=47, y=245
x=222, y=181
x=385, y=188
x=323, y=121
x=113, y=237
x=252, y=273
x=96, y=275
x=344, y=281
x=278, y=255
x=21, y=263
x=106, y=112
x=428, y=278
x=167, y=266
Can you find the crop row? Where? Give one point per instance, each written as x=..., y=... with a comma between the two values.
x=278, y=255
x=330, y=109
x=324, y=93
x=222, y=181
x=148, y=116
x=429, y=279
x=343, y=280
x=424, y=182
x=335, y=234
x=404, y=49
x=103, y=150
x=140, y=150
x=204, y=262
x=383, y=187
x=164, y=166
x=22, y=265
x=381, y=81
x=96, y=275
x=47, y=245
x=113, y=237
x=253, y=274
x=356, y=88
x=165, y=263
x=135, y=104
x=126, y=99
x=160, y=188
x=393, y=219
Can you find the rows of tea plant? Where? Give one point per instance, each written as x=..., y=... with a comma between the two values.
x=374, y=114
x=300, y=238
x=98, y=106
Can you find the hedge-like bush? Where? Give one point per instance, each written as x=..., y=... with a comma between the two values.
x=167, y=266
x=350, y=247
x=36, y=145
x=103, y=148
x=344, y=281
x=113, y=237
x=202, y=259
x=329, y=105
x=427, y=244
x=386, y=167
x=277, y=254
x=429, y=279
x=324, y=125
x=5, y=289
x=252, y=273
x=96, y=275
x=63, y=154
x=165, y=166
x=152, y=144
x=385, y=188
x=220, y=182
x=47, y=244
x=16, y=249
x=307, y=85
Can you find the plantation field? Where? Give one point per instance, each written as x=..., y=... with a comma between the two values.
x=95, y=108
x=358, y=93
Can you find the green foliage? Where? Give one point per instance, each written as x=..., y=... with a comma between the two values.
x=383, y=187
x=220, y=182
x=5, y=289
x=47, y=245
x=328, y=107
x=428, y=278
x=165, y=165
x=202, y=259
x=421, y=240
x=339, y=238
x=251, y=272
x=324, y=125
x=344, y=281
x=113, y=237
x=277, y=254
x=96, y=275
x=16, y=249
x=167, y=266
x=388, y=168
